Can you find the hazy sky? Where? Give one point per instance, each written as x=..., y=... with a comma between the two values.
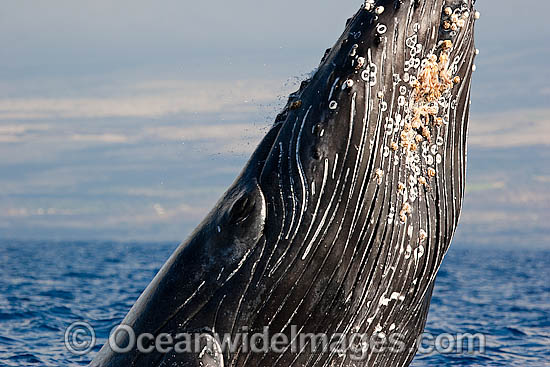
x=127, y=119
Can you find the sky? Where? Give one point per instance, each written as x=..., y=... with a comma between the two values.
x=126, y=120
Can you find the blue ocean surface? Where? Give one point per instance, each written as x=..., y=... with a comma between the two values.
x=45, y=287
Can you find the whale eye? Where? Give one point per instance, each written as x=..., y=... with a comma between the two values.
x=242, y=208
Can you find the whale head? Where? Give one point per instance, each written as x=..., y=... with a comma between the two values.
x=339, y=222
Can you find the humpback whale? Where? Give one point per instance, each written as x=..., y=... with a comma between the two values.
x=341, y=218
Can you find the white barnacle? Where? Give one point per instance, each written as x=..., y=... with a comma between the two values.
x=379, y=10
x=425, y=149
x=405, y=211
x=332, y=105
x=379, y=175
x=381, y=28
x=477, y=15
x=369, y=4
x=408, y=252
x=389, y=125
x=396, y=78
x=360, y=62
x=373, y=69
x=401, y=101
x=411, y=41
x=347, y=84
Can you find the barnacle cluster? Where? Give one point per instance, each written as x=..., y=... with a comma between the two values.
x=369, y=4
x=406, y=209
x=454, y=20
x=433, y=80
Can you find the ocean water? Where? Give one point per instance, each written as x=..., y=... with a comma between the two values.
x=45, y=287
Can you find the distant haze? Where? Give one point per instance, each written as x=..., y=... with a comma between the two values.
x=126, y=120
